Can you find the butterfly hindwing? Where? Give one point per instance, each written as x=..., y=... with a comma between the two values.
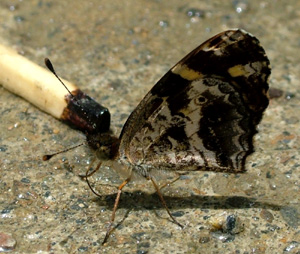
x=202, y=115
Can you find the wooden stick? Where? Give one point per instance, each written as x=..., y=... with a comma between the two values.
x=41, y=88
x=32, y=82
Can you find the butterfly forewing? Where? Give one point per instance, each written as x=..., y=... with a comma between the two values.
x=202, y=114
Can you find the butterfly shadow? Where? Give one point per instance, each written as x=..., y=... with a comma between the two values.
x=139, y=200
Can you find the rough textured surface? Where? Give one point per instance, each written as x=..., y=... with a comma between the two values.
x=115, y=52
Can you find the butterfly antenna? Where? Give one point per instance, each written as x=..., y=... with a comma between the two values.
x=49, y=156
x=51, y=68
x=86, y=107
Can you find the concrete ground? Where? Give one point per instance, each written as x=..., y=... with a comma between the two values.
x=116, y=51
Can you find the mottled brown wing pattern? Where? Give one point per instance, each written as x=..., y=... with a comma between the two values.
x=202, y=115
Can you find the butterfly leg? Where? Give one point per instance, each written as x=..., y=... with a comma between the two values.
x=88, y=174
x=109, y=229
x=163, y=201
x=178, y=175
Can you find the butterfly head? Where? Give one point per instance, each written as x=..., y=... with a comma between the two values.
x=105, y=145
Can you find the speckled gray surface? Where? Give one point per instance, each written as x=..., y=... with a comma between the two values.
x=115, y=52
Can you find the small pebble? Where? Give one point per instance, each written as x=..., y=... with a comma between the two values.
x=293, y=246
x=240, y=5
x=7, y=242
x=266, y=215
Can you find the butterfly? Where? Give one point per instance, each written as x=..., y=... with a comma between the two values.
x=201, y=115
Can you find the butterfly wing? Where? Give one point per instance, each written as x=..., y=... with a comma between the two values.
x=202, y=115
